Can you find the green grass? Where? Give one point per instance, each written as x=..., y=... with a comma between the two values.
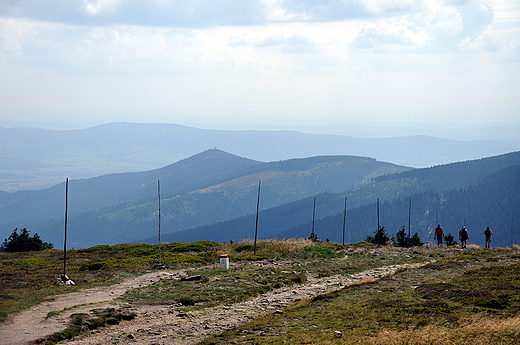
x=471, y=291
x=461, y=289
x=248, y=280
x=29, y=278
x=215, y=287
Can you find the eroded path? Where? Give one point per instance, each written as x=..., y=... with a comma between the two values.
x=32, y=324
x=169, y=324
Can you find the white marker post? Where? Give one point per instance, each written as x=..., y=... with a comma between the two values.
x=224, y=261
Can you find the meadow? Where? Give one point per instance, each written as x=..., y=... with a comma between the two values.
x=460, y=297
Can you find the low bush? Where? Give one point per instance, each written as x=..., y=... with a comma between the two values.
x=23, y=242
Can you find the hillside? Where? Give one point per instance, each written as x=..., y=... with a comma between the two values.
x=483, y=192
x=204, y=189
x=200, y=171
x=33, y=158
x=492, y=202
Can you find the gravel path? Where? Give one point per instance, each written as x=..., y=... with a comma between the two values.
x=166, y=324
x=32, y=324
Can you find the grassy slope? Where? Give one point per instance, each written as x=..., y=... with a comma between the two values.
x=459, y=294
x=466, y=298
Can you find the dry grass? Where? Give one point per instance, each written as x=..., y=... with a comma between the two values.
x=476, y=330
x=473, y=246
x=283, y=249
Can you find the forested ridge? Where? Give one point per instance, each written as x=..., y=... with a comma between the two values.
x=207, y=188
x=491, y=201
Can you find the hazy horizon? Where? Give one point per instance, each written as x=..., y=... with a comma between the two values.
x=504, y=132
x=448, y=69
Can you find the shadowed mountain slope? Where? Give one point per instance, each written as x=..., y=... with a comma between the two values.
x=484, y=190
x=204, y=189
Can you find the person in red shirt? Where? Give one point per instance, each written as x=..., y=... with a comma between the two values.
x=488, y=234
x=439, y=234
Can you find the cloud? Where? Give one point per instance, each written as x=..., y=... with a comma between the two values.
x=199, y=14
x=294, y=44
x=385, y=34
x=441, y=27
x=167, y=13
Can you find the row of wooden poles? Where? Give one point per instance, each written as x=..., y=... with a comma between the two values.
x=256, y=226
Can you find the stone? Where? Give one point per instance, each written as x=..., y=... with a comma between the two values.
x=338, y=334
x=63, y=279
x=192, y=278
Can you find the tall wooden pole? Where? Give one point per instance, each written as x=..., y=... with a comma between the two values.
x=159, y=195
x=344, y=220
x=257, y=209
x=512, y=227
x=409, y=220
x=313, y=215
x=377, y=233
x=65, y=241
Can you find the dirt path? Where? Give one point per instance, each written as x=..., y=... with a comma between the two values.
x=167, y=324
x=32, y=324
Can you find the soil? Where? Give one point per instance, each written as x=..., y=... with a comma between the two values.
x=165, y=324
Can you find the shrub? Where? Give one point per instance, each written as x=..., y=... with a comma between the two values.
x=313, y=237
x=380, y=237
x=450, y=240
x=23, y=242
x=415, y=240
x=401, y=238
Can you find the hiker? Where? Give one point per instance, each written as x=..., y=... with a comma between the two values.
x=439, y=234
x=488, y=234
x=463, y=237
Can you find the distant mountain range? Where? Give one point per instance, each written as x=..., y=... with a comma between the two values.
x=210, y=187
x=478, y=193
x=32, y=158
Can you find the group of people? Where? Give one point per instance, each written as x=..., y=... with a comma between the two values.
x=463, y=236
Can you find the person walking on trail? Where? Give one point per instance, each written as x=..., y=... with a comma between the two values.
x=488, y=234
x=439, y=234
x=463, y=237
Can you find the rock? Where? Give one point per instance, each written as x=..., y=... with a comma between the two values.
x=338, y=334
x=63, y=279
x=278, y=312
x=192, y=278
x=131, y=336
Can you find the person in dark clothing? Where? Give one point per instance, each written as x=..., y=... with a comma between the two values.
x=463, y=237
x=488, y=234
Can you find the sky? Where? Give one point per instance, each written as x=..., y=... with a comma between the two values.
x=372, y=66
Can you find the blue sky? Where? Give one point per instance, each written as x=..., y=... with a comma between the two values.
x=401, y=66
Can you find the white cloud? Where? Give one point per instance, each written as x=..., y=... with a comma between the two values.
x=94, y=8
x=284, y=58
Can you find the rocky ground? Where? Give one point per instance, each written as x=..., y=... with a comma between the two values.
x=166, y=324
